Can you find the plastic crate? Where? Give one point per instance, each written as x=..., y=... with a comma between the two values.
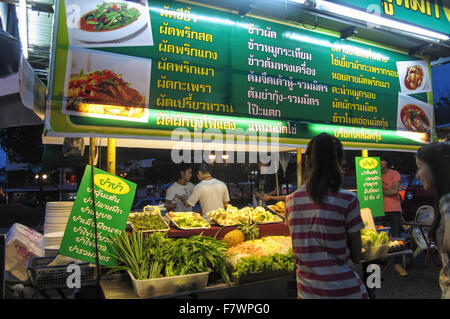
x=43, y=276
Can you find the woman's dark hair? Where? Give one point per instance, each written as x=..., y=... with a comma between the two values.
x=324, y=157
x=437, y=157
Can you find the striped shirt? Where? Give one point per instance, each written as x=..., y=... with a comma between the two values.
x=319, y=242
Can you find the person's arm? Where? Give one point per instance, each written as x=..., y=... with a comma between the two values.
x=353, y=225
x=445, y=207
x=193, y=199
x=354, y=245
x=393, y=190
x=447, y=234
x=277, y=198
x=271, y=193
x=170, y=198
x=170, y=206
x=226, y=197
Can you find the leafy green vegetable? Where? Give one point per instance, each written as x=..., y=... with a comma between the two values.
x=158, y=256
x=371, y=238
x=190, y=222
x=264, y=264
x=147, y=221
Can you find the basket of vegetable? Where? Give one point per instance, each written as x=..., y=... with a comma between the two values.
x=159, y=265
x=374, y=245
x=188, y=220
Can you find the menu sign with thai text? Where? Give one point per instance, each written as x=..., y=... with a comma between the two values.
x=169, y=65
x=113, y=199
x=368, y=179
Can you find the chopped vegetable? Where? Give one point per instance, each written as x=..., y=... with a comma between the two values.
x=147, y=221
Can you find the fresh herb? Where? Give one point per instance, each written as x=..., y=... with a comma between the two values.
x=158, y=256
x=264, y=264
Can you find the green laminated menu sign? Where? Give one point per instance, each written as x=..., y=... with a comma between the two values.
x=113, y=199
x=168, y=65
x=368, y=179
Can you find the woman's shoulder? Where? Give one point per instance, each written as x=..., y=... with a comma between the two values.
x=346, y=195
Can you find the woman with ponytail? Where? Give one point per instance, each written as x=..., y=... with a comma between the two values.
x=325, y=222
x=433, y=169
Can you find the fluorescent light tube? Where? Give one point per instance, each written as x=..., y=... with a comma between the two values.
x=374, y=19
x=23, y=32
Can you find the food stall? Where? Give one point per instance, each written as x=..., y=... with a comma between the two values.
x=197, y=78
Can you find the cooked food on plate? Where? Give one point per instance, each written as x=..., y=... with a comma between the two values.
x=414, y=77
x=415, y=119
x=108, y=16
x=104, y=92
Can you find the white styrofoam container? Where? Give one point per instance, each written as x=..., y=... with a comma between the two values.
x=169, y=285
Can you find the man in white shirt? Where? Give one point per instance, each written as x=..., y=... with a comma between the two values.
x=211, y=192
x=180, y=190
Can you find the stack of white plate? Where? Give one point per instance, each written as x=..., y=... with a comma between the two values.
x=56, y=217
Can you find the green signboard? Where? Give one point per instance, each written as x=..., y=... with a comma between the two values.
x=368, y=179
x=113, y=199
x=185, y=66
x=430, y=14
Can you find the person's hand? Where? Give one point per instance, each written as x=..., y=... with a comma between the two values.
x=256, y=194
x=267, y=198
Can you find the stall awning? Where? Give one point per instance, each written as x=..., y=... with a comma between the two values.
x=22, y=93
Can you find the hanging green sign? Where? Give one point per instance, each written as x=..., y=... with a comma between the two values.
x=430, y=14
x=113, y=199
x=368, y=179
x=177, y=65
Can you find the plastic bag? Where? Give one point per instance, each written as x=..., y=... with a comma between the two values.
x=22, y=244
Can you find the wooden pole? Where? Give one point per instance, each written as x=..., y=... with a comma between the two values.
x=111, y=156
x=92, y=152
x=299, y=167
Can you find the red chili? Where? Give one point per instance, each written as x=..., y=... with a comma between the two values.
x=94, y=20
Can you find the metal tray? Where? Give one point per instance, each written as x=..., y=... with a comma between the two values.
x=213, y=222
x=190, y=213
x=269, y=208
x=149, y=230
x=274, y=222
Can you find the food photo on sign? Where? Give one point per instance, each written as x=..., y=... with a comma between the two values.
x=414, y=116
x=99, y=23
x=414, y=76
x=106, y=85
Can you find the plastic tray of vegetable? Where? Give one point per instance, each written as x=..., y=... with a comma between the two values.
x=188, y=220
x=158, y=265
